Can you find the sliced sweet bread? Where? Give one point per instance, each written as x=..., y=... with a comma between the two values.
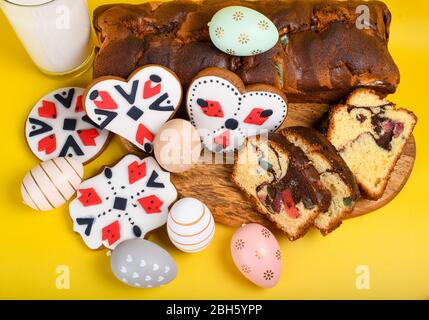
x=334, y=174
x=370, y=134
x=283, y=183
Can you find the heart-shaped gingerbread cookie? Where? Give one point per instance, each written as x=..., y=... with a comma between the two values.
x=225, y=112
x=137, y=108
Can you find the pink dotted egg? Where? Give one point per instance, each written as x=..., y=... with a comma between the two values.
x=257, y=255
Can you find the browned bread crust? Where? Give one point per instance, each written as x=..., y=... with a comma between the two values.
x=321, y=56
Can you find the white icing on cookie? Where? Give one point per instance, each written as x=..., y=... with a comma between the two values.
x=58, y=126
x=123, y=202
x=225, y=117
x=136, y=109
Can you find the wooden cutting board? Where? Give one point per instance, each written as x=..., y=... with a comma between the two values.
x=212, y=184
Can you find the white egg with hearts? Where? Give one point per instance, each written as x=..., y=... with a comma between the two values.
x=190, y=225
x=142, y=264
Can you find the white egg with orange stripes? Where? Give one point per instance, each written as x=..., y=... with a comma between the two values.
x=190, y=225
x=51, y=183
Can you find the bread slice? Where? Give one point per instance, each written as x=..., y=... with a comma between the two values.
x=282, y=182
x=334, y=174
x=370, y=135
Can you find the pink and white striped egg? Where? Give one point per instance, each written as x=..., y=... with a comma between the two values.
x=257, y=255
x=52, y=183
x=190, y=225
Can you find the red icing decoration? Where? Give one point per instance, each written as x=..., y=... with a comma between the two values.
x=48, y=144
x=399, y=128
x=223, y=139
x=47, y=110
x=111, y=233
x=106, y=102
x=136, y=172
x=143, y=133
x=89, y=197
x=151, y=204
x=213, y=109
x=88, y=136
x=255, y=117
x=149, y=91
x=290, y=207
x=79, y=105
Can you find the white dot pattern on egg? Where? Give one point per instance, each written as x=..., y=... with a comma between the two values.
x=51, y=183
x=190, y=225
x=242, y=31
x=142, y=264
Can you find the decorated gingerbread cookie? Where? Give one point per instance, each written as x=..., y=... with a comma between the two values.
x=123, y=202
x=225, y=112
x=58, y=126
x=135, y=109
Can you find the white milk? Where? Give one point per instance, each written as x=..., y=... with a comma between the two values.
x=56, y=33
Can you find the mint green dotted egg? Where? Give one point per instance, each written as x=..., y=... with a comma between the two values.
x=241, y=31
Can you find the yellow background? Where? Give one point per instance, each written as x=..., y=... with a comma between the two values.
x=393, y=242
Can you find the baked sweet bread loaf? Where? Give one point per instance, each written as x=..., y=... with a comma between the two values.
x=282, y=182
x=322, y=54
x=370, y=134
x=334, y=175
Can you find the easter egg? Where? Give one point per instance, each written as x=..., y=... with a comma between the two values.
x=190, y=225
x=51, y=183
x=142, y=264
x=242, y=31
x=257, y=255
x=177, y=146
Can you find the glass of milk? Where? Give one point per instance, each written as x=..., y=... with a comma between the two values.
x=55, y=33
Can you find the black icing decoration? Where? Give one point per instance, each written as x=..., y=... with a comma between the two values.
x=108, y=173
x=93, y=95
x=134, y=113
x=120, y=204
x=231, y=124
x=44, y=127
x=266, y=113
x=71, y=143
x=148, y=147
x=110, y=115
x=87, y=119
x=152, y=181
x=88, y=222
x=137, y=231
x=155, y=78
x=66, y=101
x=202, y=103
x=69, y=124
x=131, y=97
x=156, y=105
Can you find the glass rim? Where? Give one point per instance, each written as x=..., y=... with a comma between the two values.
x=27, y=5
